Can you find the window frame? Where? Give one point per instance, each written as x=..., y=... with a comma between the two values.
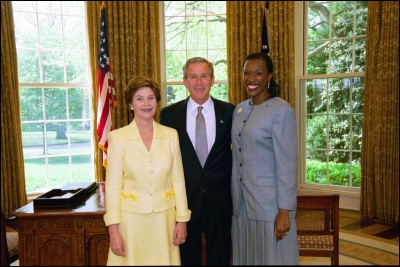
x=350, y=195
x=163, y=51
x=65, y=85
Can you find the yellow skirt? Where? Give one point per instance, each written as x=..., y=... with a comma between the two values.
x=148, y=239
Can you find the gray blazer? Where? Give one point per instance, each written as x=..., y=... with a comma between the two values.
x=264, y=148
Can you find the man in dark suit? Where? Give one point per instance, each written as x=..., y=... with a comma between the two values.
x=208, y=186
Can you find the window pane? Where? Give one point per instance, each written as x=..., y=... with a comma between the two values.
x=50, y=31
x=35, y=175
x=28, y=66
x=359, y=54
x=78, y=99
x=49, y=6
x=316, y=96
x=57, y=138
x=356, y=170
x=80, y=137
x=59, y=171
x=176, y=93
x=357, y=131
x=195, y=8
x=32, y=109
x=76, y=66
x=318, y=57
x=73, y=7
x=358, y=94
x=318, y=23
x=316, y=169
x=24, y=5
x=361, y=17
x=216, y=32
x=74, y=33
x=343, y=25
x=196, y=30
x=196, y=53
x=175, y=62
x=52, y=66
x=26, y=30
x=339, y=95
x=316, y=132
x=218, y=58
x=32, y=142
x=55, y=107
x=339, y=171
x=174, y=8
x=175, y=33
x=342, y=56
x=220, y=91
x=216, y=7
x=82, y=168
x=339, y=133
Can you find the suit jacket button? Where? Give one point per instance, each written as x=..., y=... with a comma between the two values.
x=240, y=179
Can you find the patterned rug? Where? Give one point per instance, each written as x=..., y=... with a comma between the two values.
x=358, y=250
x=367, y=251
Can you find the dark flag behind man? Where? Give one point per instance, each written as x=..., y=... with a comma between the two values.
x=264, y=39
x=107, y=98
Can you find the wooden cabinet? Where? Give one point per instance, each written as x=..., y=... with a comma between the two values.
x=74, y=236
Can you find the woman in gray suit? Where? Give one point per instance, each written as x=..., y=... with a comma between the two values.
x=264, y=194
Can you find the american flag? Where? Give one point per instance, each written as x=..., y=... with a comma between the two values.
x=107, y=98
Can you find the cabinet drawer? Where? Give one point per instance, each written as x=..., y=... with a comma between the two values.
x=95, y=225
x=63, y=225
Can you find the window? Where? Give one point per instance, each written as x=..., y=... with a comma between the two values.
x=55, y=93
x=331, y=93
x=193, y=28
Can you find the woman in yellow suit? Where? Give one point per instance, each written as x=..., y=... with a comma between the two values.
x=146, y=204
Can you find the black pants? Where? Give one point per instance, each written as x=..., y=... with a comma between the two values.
x=218, y=241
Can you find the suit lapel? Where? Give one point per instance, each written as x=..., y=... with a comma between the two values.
x=134, y=135
x=158, y=137
x=186, y=143
x=219, y=125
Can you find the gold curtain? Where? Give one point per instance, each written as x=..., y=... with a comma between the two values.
x=244, y=28
x=134, y=47
x=13, y=192
x=380, y=145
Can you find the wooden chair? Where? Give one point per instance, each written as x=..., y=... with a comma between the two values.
x=317, y=223
x=9, y=240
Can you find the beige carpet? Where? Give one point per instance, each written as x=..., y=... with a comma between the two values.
x=358, y=250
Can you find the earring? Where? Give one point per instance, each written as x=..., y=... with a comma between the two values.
x=268, y=85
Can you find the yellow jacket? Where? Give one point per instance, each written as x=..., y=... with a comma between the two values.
x=142, y=181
